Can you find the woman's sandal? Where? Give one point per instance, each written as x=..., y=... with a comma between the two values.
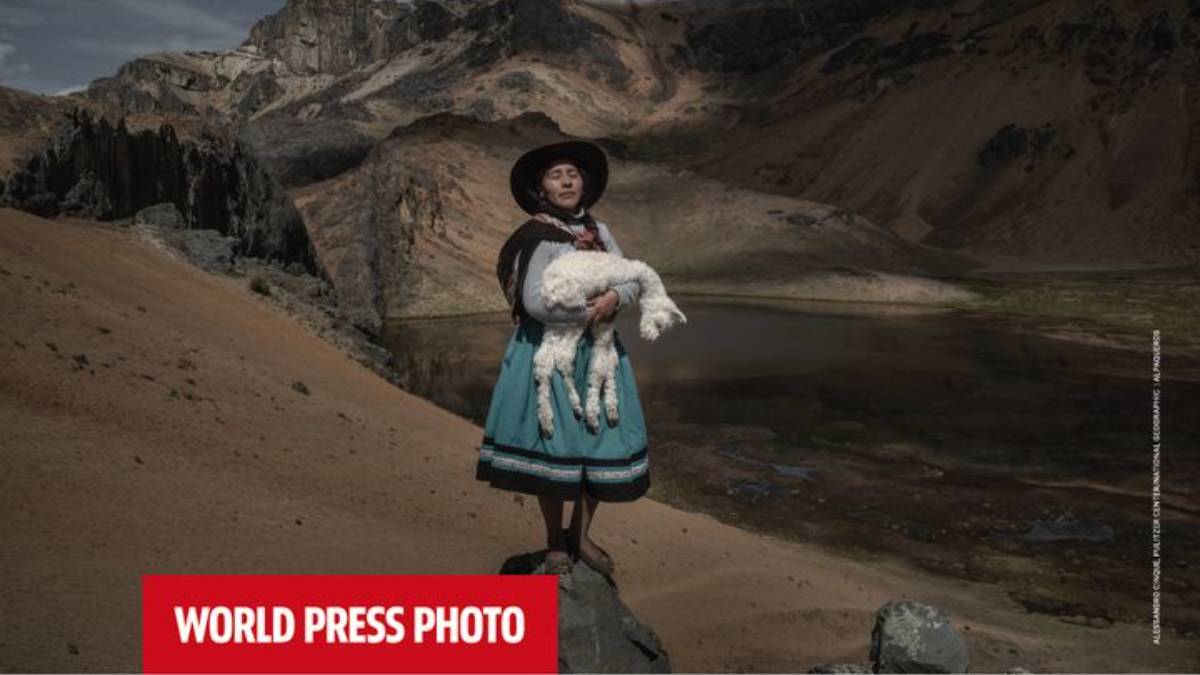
x=603, y=564
x=558, y=564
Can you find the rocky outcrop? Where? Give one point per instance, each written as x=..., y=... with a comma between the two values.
x=160, y=215
x=298, y=152
x=911, y=637
x=152, y=84
x=753, y=37
x=596, y=631
x=366, y=225
x=207, y=249
x=1013, y=142
x=95, y=169
x=27, y=122
x=329, y=36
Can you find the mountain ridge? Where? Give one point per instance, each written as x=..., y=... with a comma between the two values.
x=1054, y=131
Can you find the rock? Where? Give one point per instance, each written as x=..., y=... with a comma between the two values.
x=87, y=198
x=839, y=668
x=1012, y=141
x=518, y=80
x=208, y=249
x=861, y=50
x=328, y=36
x=481, y=109
x=160, y=215
x=298, y=151
x=368, y=222
x=151, y=84
x=596, y=631
x=910, y=637
x=95, y=169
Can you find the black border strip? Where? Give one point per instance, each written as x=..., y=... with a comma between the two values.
x=514, y=481
x=572, y=461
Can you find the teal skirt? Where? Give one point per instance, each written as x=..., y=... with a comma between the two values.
x=610, y=464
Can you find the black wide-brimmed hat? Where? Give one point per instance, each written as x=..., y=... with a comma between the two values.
x=588, y=157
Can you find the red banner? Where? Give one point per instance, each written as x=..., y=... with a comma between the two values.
x=349, y=623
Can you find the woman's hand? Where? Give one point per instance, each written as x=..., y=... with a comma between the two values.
x=603, y=307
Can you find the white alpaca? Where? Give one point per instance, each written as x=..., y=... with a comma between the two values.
x=569, y=281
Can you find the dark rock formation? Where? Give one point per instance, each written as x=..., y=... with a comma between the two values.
x=298, y=152
x=510, y=27
x=757, y=36
x=1155, y=33
x=208, y=249
x=164, y=76
x=596, y=631
x=160, y=215
x=903, y=54
x=97, y=170
x=1012, y=141
x=255, y=91
x=366, y=226
x=910, y=637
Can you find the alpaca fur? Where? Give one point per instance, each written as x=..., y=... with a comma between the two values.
x=569, y=281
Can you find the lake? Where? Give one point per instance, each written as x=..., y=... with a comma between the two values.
x=939, y=438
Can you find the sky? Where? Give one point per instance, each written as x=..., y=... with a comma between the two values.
x=59, y=46
x=55, y=46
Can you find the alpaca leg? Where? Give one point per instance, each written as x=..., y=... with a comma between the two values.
x=566, y=366
x=597, y=369
x=543, y=368
x=610, y=386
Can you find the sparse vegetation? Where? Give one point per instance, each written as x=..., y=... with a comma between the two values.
x=1134, y=301
x=260, y=285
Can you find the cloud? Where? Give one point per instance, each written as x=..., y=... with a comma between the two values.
x=181, y=15
x=130, y=48
x=8, y=72
x=19, y=17
x=70, y=90
x=52, y=45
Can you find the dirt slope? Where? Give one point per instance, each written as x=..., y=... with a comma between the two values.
x=151, y=426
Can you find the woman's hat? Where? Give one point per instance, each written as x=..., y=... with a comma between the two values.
x=587, y=156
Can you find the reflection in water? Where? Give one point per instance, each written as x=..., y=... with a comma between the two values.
x=913, y=433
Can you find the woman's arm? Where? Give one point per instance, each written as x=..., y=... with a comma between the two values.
x=531, y=295
x=627, y=291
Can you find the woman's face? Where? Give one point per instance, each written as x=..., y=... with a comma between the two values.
x=562, y=185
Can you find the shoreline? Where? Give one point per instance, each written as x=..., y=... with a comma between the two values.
x=1078, y=305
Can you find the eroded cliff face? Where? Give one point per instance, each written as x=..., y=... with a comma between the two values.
x=333, y=37
x=94, y=169
x=369, y=227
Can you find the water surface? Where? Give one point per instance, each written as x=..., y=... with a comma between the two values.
x=940, y=438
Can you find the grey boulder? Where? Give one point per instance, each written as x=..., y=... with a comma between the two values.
x=910, y=637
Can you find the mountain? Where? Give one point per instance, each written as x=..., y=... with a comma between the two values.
x=861, y=148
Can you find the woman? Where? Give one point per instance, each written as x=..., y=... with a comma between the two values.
x=557, y=183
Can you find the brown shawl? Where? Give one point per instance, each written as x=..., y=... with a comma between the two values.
x=520, y=246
